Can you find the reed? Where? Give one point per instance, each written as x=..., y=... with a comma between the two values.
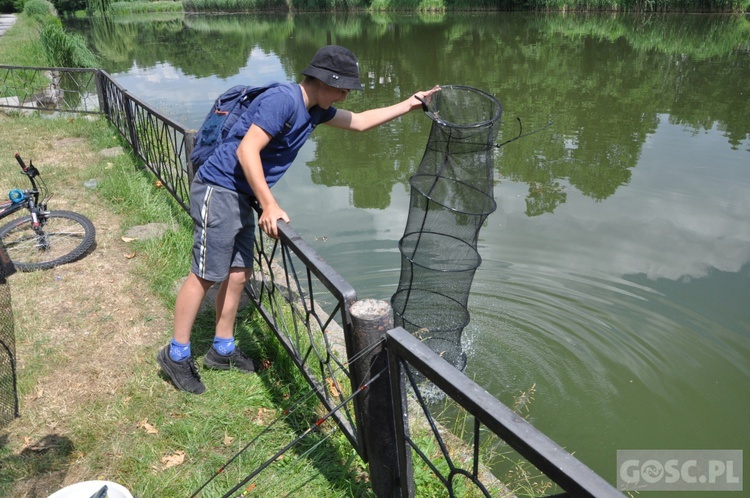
x=63, y=49
x=232, y=5
x=97, y=7
x=736, y=6
x=274, y=5
x=119, y=8
x=408, y=5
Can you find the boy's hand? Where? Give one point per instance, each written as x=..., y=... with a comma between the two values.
x=423, y=99
x=267, y=222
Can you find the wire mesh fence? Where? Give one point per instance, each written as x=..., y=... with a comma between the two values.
x=8, y=388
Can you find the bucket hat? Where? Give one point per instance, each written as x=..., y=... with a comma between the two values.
x=335, y=66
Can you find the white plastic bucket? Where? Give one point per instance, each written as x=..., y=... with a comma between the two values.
x=88, y=488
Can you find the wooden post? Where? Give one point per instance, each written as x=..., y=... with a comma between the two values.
x=371, y=319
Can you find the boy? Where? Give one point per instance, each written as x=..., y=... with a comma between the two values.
x=259, y=149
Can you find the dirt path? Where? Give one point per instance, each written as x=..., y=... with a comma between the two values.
x=89, y=319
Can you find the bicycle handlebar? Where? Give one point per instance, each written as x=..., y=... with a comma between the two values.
x=20, y=161
x=29, y=170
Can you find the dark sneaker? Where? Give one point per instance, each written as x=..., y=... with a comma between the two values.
x=237, y=360
x=183, y=373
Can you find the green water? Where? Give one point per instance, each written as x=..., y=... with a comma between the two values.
x=616, y=268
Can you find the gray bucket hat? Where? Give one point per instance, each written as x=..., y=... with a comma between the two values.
x=335, y=66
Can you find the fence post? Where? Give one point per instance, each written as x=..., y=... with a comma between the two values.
x=132, y=125
x=371, y=319
x=100, y=92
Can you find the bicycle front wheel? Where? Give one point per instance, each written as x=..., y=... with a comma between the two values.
x=64, y=237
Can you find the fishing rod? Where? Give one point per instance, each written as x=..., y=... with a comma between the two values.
x=309, y=430
x=286, y=413
x=294, y=405
x=270, y=483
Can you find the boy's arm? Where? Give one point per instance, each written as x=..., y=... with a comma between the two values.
x=248, y=154
x=366, y=120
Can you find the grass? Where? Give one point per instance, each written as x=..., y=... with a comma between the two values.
x=21, y=45
x=35, y=40
x=92, y=401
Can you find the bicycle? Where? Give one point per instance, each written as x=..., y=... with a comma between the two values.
x=42, y=239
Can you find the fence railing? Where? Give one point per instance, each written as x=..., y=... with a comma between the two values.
x=307, y=304
x=50, y=89
x=416, y=374
x=161, y=143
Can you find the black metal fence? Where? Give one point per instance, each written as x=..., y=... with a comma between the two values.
x=162, y=144
x=464, y=465
x=307, y=305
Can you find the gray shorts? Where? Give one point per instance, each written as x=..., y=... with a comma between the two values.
x=223, y=233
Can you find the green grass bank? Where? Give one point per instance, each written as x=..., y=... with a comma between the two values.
x=93, y=403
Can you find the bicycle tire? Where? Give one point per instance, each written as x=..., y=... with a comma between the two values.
x=67, y=237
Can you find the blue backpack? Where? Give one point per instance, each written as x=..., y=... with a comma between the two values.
x=224, y=113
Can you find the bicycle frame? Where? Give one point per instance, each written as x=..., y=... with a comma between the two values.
x=8, y=208
x=30, y=199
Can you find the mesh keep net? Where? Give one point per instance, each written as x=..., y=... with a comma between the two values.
x=451, y=196
x=8, y=387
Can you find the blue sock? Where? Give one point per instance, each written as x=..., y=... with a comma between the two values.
x=224, y=347
x=178, y=351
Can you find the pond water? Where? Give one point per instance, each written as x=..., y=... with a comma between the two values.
x=615, y=274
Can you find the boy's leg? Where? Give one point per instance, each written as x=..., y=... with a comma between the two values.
x=223, y=354
x=179, y=365
x=216, y=221
x=187, y=305
x=228, y=300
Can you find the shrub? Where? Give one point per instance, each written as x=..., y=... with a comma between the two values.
x=38, y=8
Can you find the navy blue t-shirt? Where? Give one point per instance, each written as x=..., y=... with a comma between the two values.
x=280, y=112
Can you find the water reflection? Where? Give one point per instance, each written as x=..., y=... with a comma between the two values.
x=684, y=212
x=616, y=268
x=604, y=80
